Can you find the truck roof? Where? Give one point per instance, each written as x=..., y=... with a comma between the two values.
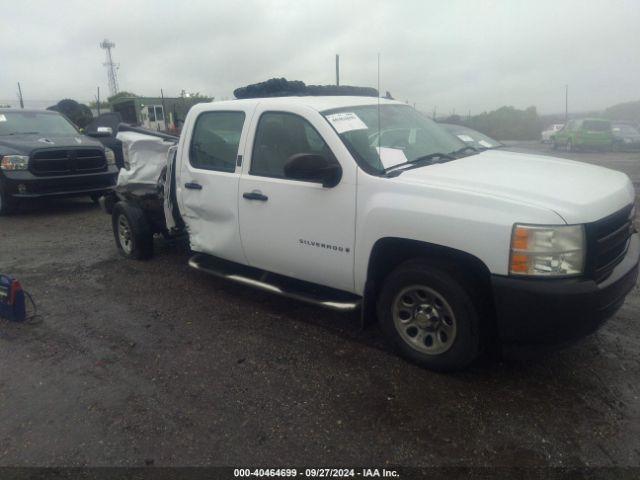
x=319, y=103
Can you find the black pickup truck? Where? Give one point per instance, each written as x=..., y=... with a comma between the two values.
x=42, y=154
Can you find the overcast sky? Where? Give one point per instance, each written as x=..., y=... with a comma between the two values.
x=470, y=55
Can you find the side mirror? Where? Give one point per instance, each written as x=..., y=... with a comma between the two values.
x=310, y=167
x=103, y=132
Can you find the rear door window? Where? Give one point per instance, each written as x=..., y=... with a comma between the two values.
x=215, y=141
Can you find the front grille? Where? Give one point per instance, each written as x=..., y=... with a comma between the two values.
x=48, y=162
x=607, y=243
x=71, y=184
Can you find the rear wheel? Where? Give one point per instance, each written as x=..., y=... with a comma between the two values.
x=133, y=235
x=429, y=316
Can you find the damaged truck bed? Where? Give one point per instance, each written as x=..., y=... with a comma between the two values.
x=145, y=191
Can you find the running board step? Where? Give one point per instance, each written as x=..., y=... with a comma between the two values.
x=285, y=286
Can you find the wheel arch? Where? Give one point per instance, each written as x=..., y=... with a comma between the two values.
x=389, y=252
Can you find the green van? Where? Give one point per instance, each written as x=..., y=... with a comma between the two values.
x=584, y=133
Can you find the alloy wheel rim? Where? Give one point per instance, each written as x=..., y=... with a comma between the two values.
x=124, y=234
x=424, y=319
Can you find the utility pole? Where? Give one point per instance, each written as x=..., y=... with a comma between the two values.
x=98, y=101
x=111, y=66
x=434, y=113
x=566, y=104
x=20, y=95
x=164, y=111
x=338, y=70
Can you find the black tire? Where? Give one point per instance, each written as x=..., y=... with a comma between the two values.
x=464, y=344
x=132, y=233
x=7, y=204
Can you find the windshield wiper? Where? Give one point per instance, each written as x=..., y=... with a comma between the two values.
x=416, y=162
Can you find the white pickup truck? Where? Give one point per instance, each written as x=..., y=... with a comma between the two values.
x=356, y=202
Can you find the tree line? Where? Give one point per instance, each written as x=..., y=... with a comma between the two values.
x=509, y=123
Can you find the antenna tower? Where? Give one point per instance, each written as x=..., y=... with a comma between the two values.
x=112, y=68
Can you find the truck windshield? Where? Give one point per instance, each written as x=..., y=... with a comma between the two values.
x=40, y=123
x=403, y=135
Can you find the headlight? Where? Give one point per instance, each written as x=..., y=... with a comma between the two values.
x=14, y=162
x=556, y=251
x=111, y=156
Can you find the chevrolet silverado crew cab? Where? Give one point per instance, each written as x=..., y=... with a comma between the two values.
x=42, y=154
x=355, y=202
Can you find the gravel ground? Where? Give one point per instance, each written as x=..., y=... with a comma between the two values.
x=140, y=363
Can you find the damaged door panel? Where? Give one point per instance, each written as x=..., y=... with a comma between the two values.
x=208, y=184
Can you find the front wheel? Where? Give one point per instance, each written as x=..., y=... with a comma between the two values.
x=429, y=316
x=133, y=235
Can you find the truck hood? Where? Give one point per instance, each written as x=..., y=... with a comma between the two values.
x=25, y=144
x=576, y=191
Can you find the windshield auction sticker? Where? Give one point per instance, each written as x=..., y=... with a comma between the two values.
x=465, y=138
x=346, y=122
x=390, y=157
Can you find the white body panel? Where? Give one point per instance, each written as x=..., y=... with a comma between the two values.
x=578, y=192
x=285, y=234
x=470, y=204
x=210, y=214
x=467, y=221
